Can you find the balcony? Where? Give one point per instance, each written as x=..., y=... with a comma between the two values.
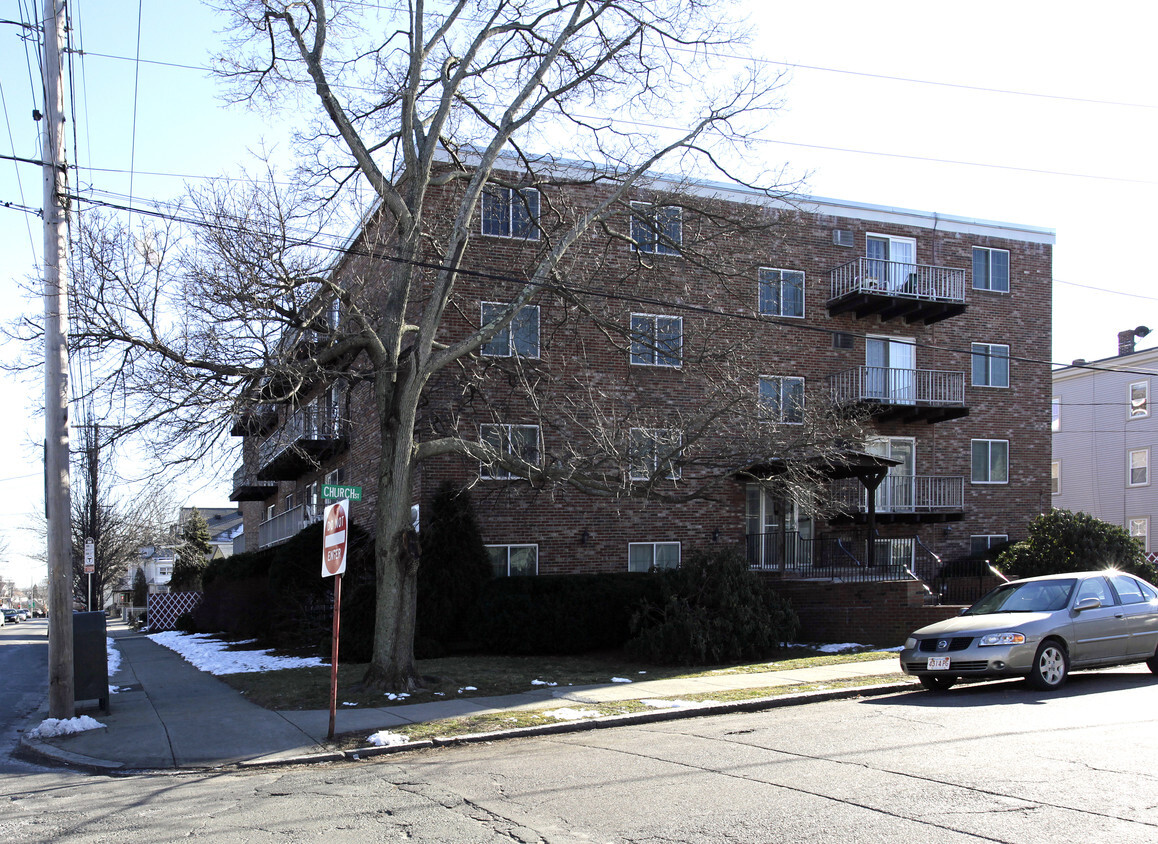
x=310, y=435
x=896, y=290
x=902, y=395
x=255, y=421
x=904, y=498
x=247, y=486
x=284, y=525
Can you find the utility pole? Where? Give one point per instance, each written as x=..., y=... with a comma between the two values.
x=61, y=690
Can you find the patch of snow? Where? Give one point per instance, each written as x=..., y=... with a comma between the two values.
x=50, y=727
x=347, y=703
x=209, y=654
x=542, y=683
x=385, y=738
x=836, y=649
x=567, y=714
x=671, y=704
x=897, y=649
x=113, y=689
x=399, y=696
x=620, y=680
x=114, y=656
x=468, y=689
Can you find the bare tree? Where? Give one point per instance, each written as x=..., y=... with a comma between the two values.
x=415, y=126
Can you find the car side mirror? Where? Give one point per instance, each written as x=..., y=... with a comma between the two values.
x=1087, y=604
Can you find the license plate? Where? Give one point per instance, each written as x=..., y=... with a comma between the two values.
x=938, y=663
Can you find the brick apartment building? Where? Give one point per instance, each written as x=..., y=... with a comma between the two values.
x=927, y=328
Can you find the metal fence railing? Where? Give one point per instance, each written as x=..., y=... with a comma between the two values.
x=926, y=387
x=896, y=278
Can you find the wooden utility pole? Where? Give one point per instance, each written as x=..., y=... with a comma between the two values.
x=61, y=691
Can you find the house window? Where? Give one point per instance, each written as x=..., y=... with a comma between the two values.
x=1139, y=463
x=514, y=560
x=657, y=229
x=270, y=511
x=990, y=459
x=521, y=335
x=1055, y=477
x=990, y=269
x=892, y=263
x=288, y=504
x=645, y=556
x=310, y=500
x=781, y=399
x=510, y=212
x=336, y=477
x=164, y=571
x=1055, y=414
x=651, y=452
x=518, y=441
x=979, y=545
x=1139, y=399
x=656, y=340
x=781, y=292
x=1140, y=530
x=990, y=365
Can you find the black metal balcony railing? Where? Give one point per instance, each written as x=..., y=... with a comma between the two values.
x=906, y=494
x=916, y=292
x=248, y=487
x=844, y=558
x=254, y=421
x=310, y=434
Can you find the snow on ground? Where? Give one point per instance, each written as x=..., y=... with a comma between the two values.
x=385, y=738
x=671, y=704
x=50, y=727
x=210, y=654
x=620, y=680
x=567, y=714
x=114, y=657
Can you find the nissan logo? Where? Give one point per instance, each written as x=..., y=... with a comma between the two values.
x=942, y=644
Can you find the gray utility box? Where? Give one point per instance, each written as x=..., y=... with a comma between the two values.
x=90, y=658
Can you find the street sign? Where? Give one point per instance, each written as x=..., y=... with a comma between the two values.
x=332, y=491
x=334, y=533
x=89, y=556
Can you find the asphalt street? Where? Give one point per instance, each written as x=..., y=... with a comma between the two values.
x=23, y=680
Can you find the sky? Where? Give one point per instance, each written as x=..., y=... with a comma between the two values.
x=1012, y=112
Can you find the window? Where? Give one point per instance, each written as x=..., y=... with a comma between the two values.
x=288, y=504
x=1055, y=414
x=781, y=399
x=656, y=340
x=521, y=335
x=891, y=264
x=510, y=212
x=519, y=441
x=644, y=556
x=990, y=461
x=1139, y=399
x=310, y=500
x=1128, y=589
x=990, y=269
x=270, y=511
x=1055, y=477
x=651, y=452
x=657, y=229
x=1139, y=465
x=980, y=544
x=514, y=560
x=1140, y=529
x=781, y=292
x=990, y=365
x=336, y=477
x=164, y=571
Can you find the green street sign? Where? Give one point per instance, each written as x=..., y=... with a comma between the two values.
x=334, y=491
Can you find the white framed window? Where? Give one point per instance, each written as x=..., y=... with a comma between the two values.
x=510, y=212
x=892, y=262
x=656, y=340
x=1055, y=414
x=990, y=269
x=1055, y=477
x=990, y=365
x=1139, y=399
x=270, y=511
x=979, y=544
x=990, y=461
x=645, y=556
x=781, y=399
x=1140, y=530
x=519, y=338
x=164, y=571
x=657, y=229
x=514, y=560
x=781, y=292
x=520, y=441
x=652, y=452
x=1138, y=460
x=336, y=477
x=288, y=504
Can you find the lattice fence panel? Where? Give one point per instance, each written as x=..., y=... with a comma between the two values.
x=164, y=609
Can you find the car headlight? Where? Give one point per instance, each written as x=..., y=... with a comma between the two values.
x=1002, y=639
x=910, y=643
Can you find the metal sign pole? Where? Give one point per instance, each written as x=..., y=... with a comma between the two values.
x=334, y=655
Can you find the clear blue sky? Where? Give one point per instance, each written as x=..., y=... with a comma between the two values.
x=1019, y=112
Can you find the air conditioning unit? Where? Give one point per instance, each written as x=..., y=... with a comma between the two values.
x=843, y=340
x=842, y=237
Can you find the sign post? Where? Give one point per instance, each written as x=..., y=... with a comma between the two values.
x=334, y=534
x=89, y=566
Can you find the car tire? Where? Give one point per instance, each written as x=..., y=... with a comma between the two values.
x=1051, y=666
x=1152, y=663
x=937, y=684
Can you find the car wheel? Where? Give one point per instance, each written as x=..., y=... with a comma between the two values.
x=937, y=684
x=1152, y=663
x=1050, y=666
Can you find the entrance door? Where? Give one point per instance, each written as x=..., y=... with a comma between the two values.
x=895, y=494
x=778, y=530
x=890, y=369
x=892, y=261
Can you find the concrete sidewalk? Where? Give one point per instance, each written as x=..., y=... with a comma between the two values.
x=169, y=715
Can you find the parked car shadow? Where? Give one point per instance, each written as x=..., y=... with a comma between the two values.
x=1018, y=691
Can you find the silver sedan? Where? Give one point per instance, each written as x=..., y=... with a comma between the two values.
x=1041, y=628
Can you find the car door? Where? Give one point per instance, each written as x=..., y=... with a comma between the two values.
x=1100, y=634
x=1141, y=611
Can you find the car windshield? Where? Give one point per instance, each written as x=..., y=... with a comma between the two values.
x=1034, y=596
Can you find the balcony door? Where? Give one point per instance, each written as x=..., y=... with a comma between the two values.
x=778, y=530
x=890, y=369
x=896, y=493
x=892, y=262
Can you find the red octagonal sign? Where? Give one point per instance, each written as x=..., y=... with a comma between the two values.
x=334, y=538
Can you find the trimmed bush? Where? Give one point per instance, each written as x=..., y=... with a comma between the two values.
x=1062, y=541
x=711, y=610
